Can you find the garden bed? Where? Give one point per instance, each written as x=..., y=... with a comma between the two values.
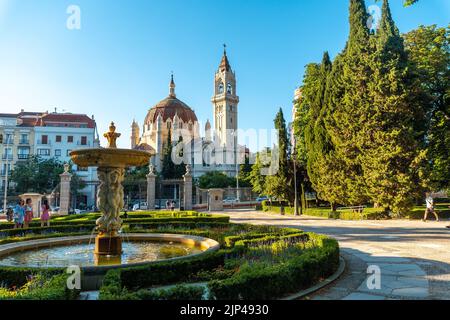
x=254, y=262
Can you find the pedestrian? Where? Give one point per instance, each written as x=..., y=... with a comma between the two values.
x=45, y=217
x=28, y=213
x=172, y=207
x=19, y=214
x=430, y=207
x=9, y=215
x=168, y=205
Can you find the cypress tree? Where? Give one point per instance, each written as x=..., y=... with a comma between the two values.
x=316, y=137
x=280, y=183
x=391, y=151
x=347, y=99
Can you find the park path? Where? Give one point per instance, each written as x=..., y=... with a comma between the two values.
x=413, y=256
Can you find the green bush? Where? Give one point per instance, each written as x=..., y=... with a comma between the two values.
x=18, y=277
x=274, y=281
x=368, y=213
x=179, y=292
x=41, y=287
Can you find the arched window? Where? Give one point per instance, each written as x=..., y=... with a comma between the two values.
x=229, y=88
x=169, y=125
x=220, y=88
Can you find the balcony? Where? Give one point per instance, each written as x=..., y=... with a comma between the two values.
x=8, y=157
x=23, y=156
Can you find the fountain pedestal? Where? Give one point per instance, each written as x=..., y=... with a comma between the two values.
x=108, y=245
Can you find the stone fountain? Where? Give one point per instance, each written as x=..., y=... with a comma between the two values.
x=111, y=163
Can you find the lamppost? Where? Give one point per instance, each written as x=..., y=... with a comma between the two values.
x=237, y=166
x=294, y=160
x=5, y=198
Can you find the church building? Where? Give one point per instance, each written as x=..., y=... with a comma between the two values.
x=218, y=150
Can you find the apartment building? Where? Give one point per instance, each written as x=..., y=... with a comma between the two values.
x=48, y=135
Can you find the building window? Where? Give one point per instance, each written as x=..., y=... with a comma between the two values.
x=70, y=139
x=82, y=169
x=83, y=141
x=8, y=154
x=24, y=139
x=44, y=139
x=23, y=153
x=58, y=153
x=229, y=88
x=44, y=152
x=58, y=138
x=1, y=138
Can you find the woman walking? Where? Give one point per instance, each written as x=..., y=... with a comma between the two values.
x=19, y=214
x=45, y=217
x=28, y=213
x=430, y=208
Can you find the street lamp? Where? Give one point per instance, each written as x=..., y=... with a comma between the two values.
x=237, y=166
x=294, y=156
x=5, y=198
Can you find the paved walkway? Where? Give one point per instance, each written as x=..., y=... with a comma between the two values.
x=413, y=256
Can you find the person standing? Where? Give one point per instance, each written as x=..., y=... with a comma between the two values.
x=172, y=205
x=45, y=217
x=28, y=213
x=430, y=208
x=9, y=215
x=19, y=214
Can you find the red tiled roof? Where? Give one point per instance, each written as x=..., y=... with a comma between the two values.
x=65, y=118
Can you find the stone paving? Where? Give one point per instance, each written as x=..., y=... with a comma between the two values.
x=413, y=257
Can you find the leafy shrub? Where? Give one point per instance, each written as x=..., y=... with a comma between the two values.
x=41, y=287
x=272, y=281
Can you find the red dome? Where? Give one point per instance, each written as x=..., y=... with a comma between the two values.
x=168, y=108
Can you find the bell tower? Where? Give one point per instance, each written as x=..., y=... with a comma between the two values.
x=134, y=134
x=225, y=102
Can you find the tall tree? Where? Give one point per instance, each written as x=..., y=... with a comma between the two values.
x=171, y=170
x=316, y=137
x=280, y=184
x=429, y=57
x=244, y=173
x=347, y=104
x=256, y=177
x=392, y=150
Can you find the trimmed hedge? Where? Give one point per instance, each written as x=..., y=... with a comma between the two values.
x=42, y=287
x=368, y=213
x=118, y=282
x=132, y=223
x=319, y=259
x=281, y=279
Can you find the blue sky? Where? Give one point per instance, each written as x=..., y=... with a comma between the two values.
x=118, y=65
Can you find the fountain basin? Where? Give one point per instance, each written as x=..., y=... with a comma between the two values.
x=110, y=158
x=93, y=274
